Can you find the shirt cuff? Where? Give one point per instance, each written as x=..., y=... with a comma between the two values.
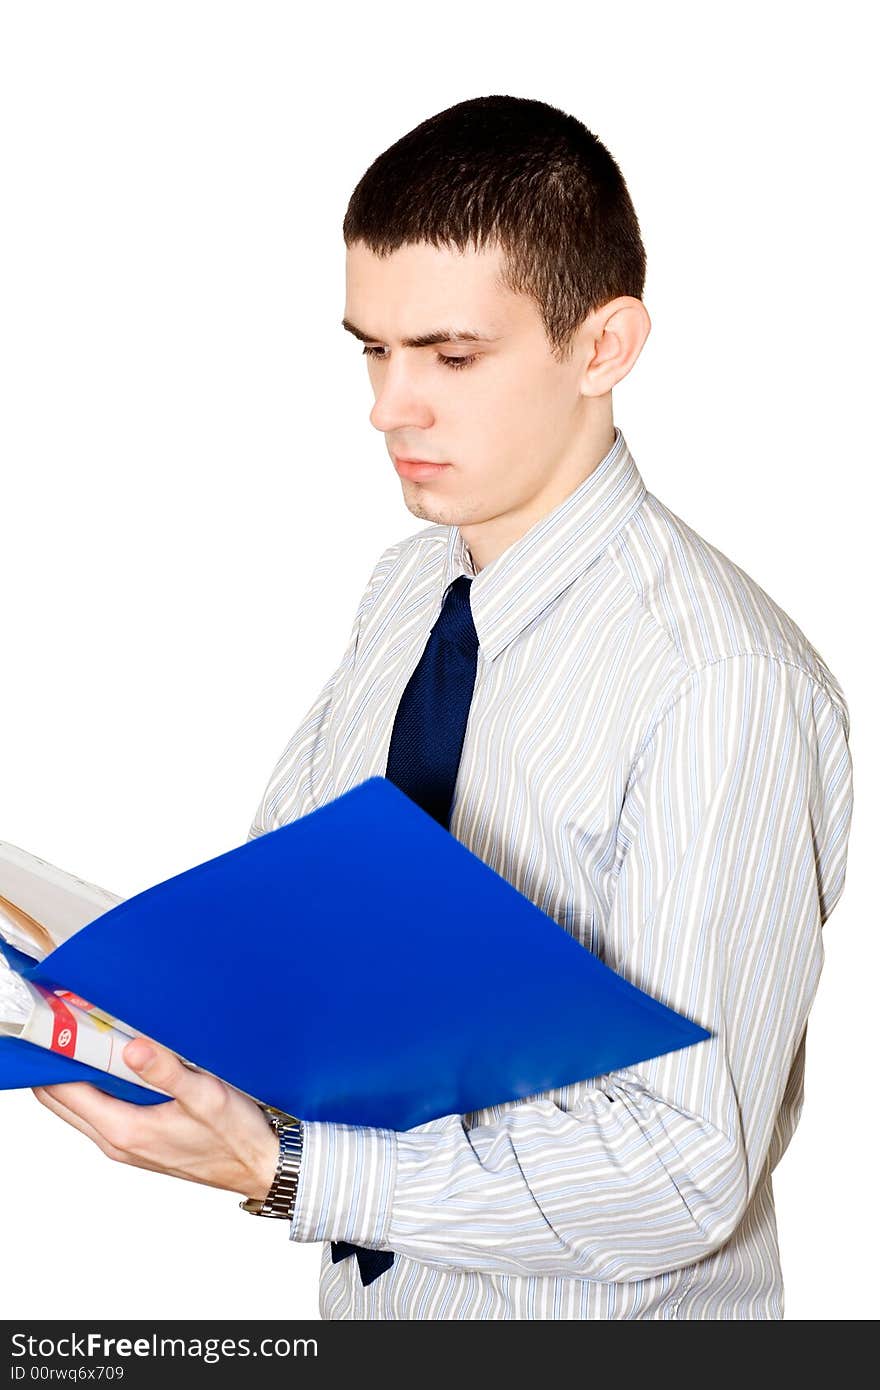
x=346, y=1184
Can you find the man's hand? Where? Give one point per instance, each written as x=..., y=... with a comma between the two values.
x=208, y=1133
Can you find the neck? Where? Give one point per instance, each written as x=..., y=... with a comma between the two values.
x=488, y=539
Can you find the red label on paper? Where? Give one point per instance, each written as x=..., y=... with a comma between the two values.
x=63, y=1024
x=75, y=999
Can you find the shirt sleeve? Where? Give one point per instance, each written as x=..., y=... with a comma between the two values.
x=731, y=853
x=294, y=788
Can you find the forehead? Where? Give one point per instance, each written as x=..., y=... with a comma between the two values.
x=420, y=286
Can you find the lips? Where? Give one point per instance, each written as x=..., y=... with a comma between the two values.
x=417, y=469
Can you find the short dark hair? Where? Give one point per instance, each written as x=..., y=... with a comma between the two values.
x=520, y=174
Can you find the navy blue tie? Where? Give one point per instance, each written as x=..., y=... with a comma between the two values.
x=423, y=758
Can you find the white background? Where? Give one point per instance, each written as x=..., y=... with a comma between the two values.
x=193, y=497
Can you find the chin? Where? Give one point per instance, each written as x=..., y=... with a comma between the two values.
x=420, y=508
x=426, y=509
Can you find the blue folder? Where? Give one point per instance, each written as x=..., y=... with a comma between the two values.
x=359, y=965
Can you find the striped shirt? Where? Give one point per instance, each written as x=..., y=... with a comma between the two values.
x=658, y=758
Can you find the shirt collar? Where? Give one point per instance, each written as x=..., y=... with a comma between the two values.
x=507, y=594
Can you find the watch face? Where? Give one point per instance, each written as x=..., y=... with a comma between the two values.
x=279, y=1117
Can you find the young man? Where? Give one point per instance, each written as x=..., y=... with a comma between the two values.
x=648, y=747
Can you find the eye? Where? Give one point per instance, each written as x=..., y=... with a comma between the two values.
x=454, y=363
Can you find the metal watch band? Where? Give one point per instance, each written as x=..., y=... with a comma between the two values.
x=279, y=1200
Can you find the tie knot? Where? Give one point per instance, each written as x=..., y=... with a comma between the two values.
x=455, y=623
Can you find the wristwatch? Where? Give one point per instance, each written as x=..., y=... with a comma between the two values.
x=281, y=1197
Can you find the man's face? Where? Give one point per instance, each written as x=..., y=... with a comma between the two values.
x=503, y=421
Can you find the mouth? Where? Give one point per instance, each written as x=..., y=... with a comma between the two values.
x=417, y=468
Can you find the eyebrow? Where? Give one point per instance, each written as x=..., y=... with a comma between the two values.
x=438, y=335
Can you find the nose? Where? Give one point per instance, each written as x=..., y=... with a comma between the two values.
x=398, y=403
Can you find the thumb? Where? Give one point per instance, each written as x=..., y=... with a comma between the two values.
x=160, y=1067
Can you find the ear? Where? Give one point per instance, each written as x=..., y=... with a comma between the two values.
x=612, y=339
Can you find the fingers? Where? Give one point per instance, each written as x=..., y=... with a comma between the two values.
x=117, y=1130
x=217, y=1137
x=54, y=1098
